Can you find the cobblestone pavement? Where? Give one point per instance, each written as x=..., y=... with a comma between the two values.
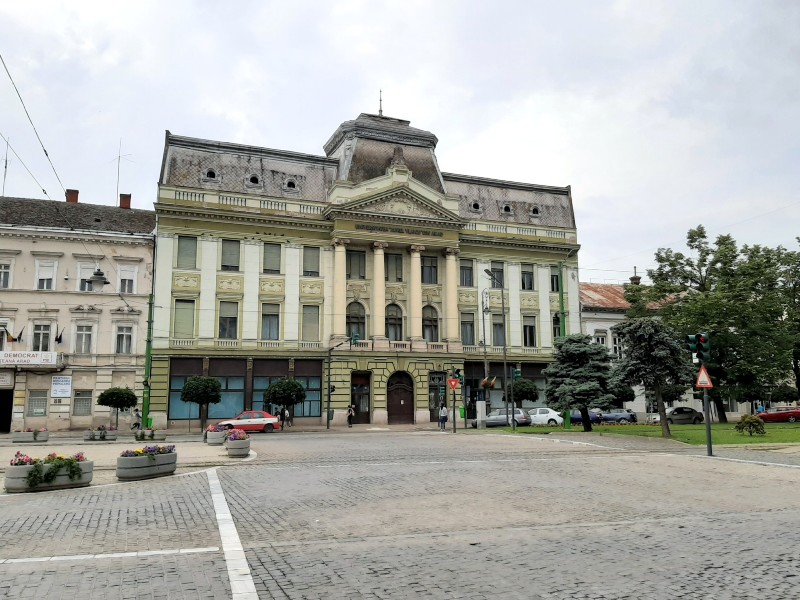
x=428, y=515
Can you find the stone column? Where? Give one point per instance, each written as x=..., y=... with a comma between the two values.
x=415, y=298
x=207, y=319
x=452, y=321
x=293, y=267
x=513, y=278
x=379, y=339
x=251, y=307
x=339, y=289
x=545, y=324
x=162, y=293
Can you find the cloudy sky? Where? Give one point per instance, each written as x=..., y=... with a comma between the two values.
x=660, y=115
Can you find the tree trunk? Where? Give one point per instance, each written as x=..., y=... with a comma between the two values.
x=662, y=413
x=203, y=416
x=587, y=422
x=723, y=418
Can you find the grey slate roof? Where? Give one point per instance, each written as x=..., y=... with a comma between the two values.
x=85, y=217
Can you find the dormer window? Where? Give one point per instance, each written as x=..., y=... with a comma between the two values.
x=476, y=207
x=507, y=209
x=535, y=211
x=291, y=185
x=254, y=179
x=211, y=174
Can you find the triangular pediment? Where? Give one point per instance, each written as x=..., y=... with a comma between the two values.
x=398, y=204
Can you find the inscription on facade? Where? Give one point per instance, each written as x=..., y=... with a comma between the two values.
x=404, y=230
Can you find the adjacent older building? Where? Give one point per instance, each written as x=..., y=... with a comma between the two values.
x=361, y=273
x=64, y=336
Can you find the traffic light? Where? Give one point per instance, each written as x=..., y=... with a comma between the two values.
x=460, y=376
x=703, y=345
x=691, y=343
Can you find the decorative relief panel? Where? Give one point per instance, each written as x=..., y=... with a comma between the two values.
x=186, y=281
x=357, y=291
x=229, y=284
x=495, y=300
x=554, y=304
x=470, y=298
x=311, y=288
x=271, y=286
x=401, y=205
x=530, y=300
x=394, y=292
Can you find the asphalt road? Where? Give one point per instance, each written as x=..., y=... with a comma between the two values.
x=422, y=515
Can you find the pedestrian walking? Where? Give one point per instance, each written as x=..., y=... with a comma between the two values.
x=287, y=417
x=443, y=417
x=350, y=414
x=137, y=419
x=282, y=416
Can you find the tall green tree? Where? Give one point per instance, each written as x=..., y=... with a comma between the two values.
x=579, y=377
x=523, y=390
x=118, y=398
x=285, y=392
x=203, y=391
x=652, y=355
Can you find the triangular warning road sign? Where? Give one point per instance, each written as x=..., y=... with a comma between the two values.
x=703, y=380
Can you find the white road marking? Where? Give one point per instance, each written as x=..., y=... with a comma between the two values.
x=141, y=554
x=242, y=585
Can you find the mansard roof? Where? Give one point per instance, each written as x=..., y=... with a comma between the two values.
x=31, y=212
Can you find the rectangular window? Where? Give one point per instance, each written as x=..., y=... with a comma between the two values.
x=230, y=255
x=466, y=272
x=394, y=267
x=430, y=269
x=261, y=385
x=270, y=322
x=83, y=339
x=183, y=322
x=468, y=329
x=600, y=339
x=356, y=264
x=187, y=252
x=41, y=338
x=127, y=279
x=272, y=258
x=4, y=326
x=555, y=280
x=556, y=327
x=310, y=323
x=124, y=339
x=527, y=277
x=45, y=273
x=498, y=332
x=228, y=320
x=232, y=402
x=529, y=332
x=616, y=346
x=498, y=275
x=37, y=403
x=82, y=403
x=310, y=261
x=5, y=275
x=178, y=409
x=312, y=405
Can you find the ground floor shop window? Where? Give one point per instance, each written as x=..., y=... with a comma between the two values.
x=232, y=402
x=178, y=409
x=312, y=406
x=82, y=403
x=260, y=385
x=37, y=403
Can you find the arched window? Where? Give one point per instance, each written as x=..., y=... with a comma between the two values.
x=211, y=174
x=430, y=324
x=254, y=179
x=356, y=320
x=394, y=323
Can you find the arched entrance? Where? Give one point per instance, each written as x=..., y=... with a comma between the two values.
x=400, y=399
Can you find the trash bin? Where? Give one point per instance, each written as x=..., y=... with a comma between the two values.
x=461, y=412
x=149, y=422
x=330, y=415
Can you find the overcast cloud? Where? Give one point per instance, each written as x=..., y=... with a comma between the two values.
x=660, y=115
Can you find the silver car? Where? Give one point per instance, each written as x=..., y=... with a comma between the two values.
x=680, y=415
x=499, y=418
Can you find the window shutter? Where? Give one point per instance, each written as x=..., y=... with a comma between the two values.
x=311, y=323
x=272, y=258
x=187, y=252
x=310, y=259
x=228, y=309
x=183, y=323
x=230, y=253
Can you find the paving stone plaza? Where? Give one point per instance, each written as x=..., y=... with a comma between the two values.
x=419, y=514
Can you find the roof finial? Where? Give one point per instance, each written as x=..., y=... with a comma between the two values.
x=380, y=103
x=635, y=280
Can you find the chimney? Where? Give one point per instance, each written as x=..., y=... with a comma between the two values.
x=72, y=196
x=125, y=201
x=635, y=280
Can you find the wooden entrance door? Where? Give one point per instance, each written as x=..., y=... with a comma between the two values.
x=400, y=399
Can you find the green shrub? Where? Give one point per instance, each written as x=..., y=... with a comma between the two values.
x=751, y=424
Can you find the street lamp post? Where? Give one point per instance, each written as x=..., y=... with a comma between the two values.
x=505, y=345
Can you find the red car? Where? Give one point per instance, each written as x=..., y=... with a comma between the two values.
x=253, y=420
x=781, y=414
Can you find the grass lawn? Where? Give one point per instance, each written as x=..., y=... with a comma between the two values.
x=721, y=433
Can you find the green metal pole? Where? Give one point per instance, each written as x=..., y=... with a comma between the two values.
x=148, y=361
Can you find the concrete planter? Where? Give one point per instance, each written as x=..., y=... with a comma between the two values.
x=130, y=468
x=110, y=436
x=26, y=437
x=238, y=448
x=215, y=438
x=16, y=478
x=159, y=436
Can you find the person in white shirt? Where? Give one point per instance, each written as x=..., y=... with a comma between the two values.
x=443, y=417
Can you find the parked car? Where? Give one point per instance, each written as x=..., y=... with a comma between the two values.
x=619, y=415
x=253, y=420
x=594, y=417
x=498, y=418
x=781, y=414
x=545, y=416
x=680, y=415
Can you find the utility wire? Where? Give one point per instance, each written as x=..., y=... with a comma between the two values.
x=8, y=145
x=25, y=108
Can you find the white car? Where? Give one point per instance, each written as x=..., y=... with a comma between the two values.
x=545, y=416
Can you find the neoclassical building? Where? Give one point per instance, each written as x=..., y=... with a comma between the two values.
x=63, y=342
x=361, y=273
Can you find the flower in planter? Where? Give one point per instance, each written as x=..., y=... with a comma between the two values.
x=149, y=451
x=216, y=428
x=237, y=434
x=112, y=428
x=21, y=460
